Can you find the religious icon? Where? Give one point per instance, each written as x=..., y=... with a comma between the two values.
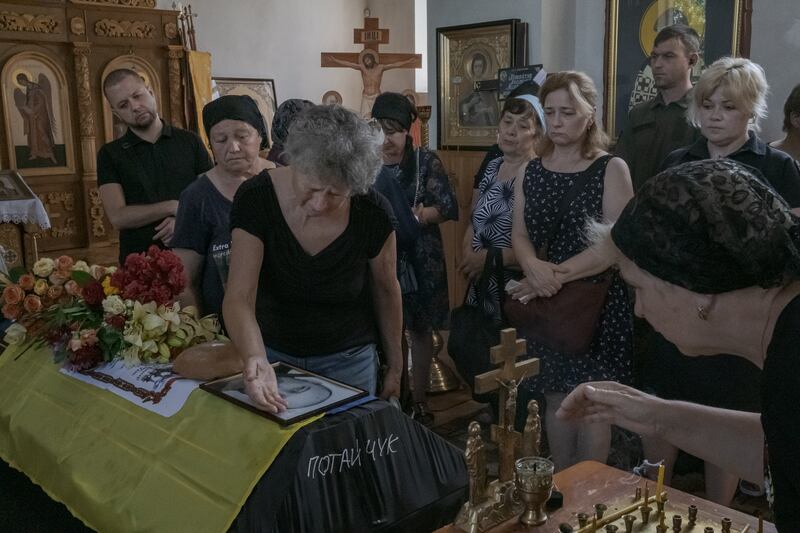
x=38, y=129
x=13, y=187
x=478, y=108
x=306, y=393
x=371, y=75
x=370, y=62
x=470, y=54
x=636, y=23
x=114, y=127
x=331, y=98
x=34, y=102
x=260, y=90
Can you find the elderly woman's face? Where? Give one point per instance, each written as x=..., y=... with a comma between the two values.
x=394, y=143
x=317, y=197
x=565, y=123
x=235, y=145
x=721, y=121
x=670, y=309
x=516, y=134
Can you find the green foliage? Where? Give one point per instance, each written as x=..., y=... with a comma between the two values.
x=15, y=273
x=81, y=278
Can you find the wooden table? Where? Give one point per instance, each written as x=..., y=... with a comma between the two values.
x=590, y=482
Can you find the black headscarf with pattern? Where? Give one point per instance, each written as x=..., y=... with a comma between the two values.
x=235, y=107
x=711, y=226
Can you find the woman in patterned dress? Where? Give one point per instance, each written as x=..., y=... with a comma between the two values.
x=521, y=123
x=421, y=173
x=574, y=145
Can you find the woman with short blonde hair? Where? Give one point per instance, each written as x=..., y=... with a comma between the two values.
x=742, y=83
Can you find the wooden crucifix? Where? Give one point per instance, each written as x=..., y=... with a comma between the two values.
x=506, y=379
x=370, y=62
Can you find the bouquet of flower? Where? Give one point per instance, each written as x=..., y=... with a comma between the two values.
x=93, y=314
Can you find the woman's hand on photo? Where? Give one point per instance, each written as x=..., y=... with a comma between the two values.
x=472, y=264
x=261, y=385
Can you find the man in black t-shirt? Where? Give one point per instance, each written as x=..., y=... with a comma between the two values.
x=141, y=174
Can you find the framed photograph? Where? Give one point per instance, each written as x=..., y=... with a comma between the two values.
x=13, y=187
x=37, y=117
x=306, y=393
x=467, y=118
x=261, y=90
x=631, y=28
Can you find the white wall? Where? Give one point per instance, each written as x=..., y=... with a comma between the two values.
x=398, y=17
x=775, y=45
x=273, y=39
x=282, y=40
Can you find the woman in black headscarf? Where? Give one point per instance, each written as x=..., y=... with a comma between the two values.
x=712, y=253
x=283, y=118
x=236, y=131
x=422, y=176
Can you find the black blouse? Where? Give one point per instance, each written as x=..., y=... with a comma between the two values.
x=318, y=304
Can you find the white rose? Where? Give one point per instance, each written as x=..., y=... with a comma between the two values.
x=44, y=267
x=15, y=333
x=83, y=266
x=113, y=305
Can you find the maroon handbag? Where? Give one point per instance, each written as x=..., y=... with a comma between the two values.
x=567, y=321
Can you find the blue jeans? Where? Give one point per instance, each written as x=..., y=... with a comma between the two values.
x=357, y=366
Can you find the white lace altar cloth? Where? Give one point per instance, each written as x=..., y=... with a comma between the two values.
x=27, y=211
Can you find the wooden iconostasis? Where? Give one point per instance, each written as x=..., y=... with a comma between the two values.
x=54, y=55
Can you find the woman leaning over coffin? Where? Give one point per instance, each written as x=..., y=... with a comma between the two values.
x=312, y=277
x=712, y=253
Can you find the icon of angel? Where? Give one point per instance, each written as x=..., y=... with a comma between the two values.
x=34, y=100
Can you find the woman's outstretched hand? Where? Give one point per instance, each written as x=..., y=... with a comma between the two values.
x=261, y=385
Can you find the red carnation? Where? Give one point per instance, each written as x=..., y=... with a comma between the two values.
x=93, y=293
x=116, y=321
x=86, y=357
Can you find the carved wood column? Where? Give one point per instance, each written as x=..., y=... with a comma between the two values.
x=175, y=86
x=93, y=205
x=81, y=52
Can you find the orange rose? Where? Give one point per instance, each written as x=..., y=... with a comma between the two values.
x=55, y=292
x=32, y=303
x=40, y=287
x=26, y=281
x=72, y=288
x=12, y=311
x=13, y=294
x=58, y=277
x=64, y=262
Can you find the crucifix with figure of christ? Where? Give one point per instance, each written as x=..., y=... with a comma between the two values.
x=370, y=61
x=507, y=379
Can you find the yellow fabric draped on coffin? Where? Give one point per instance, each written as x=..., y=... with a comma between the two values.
x=121, y=468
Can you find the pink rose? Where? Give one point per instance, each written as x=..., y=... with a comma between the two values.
x=32, y=303
x=13, y=294
x=26, y=281
x=64, y=262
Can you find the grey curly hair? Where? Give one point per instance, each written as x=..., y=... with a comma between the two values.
x=336, y=146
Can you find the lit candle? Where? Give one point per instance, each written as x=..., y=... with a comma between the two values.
x=660, y=484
